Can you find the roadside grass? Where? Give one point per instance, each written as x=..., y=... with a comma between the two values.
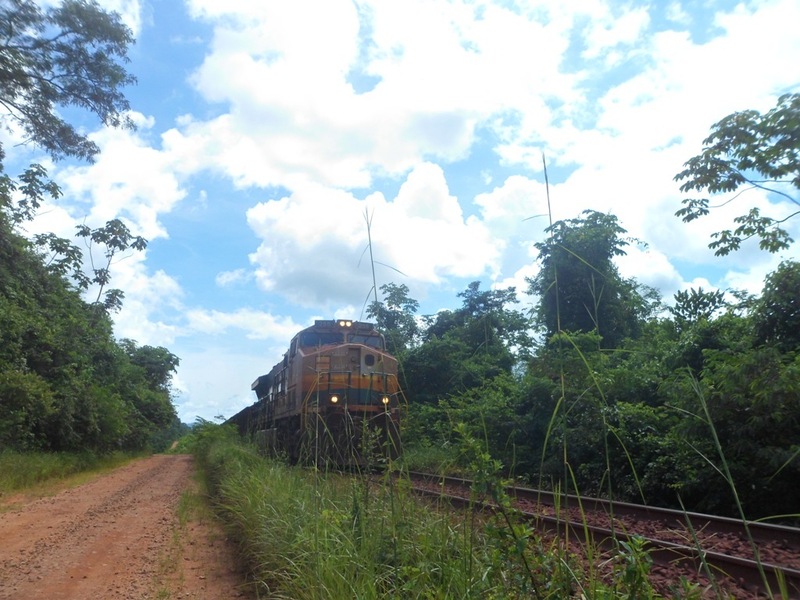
x=43, y=473
x=309, y=533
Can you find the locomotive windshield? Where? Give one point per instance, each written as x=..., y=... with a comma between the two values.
x=314, y=338
x=368, y=340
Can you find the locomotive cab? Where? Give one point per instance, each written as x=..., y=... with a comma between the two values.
x=334, y=394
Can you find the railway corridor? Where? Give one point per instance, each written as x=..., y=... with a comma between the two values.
x=672, y=544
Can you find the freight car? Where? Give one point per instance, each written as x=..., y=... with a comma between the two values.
x=334, y=398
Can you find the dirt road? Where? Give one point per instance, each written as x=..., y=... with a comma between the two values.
x=117, y=537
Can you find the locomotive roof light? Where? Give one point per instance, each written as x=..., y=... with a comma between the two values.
x=345, y=323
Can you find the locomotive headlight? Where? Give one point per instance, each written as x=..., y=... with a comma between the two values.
x=345, y=323
x=385, y=399
x=334, y=398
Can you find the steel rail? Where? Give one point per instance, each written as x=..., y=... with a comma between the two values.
x=750, y=572
x=759, y=531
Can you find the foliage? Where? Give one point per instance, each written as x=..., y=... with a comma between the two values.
x=27, y=404
x=462, y=349
x=752, y=399
x=490, y=413
x=777, y=313
x=310, y=534
x=32, y=190
x=632, y=568
x=116, y=238
x=578, y=285
x=621, y=420
x=694, y=305
x=747, y=150
x=68, y=55
x=512, y=535
x=66, y=384
x=649, y=461
x=395, y=317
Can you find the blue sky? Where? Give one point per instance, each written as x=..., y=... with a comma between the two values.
x=266, y=131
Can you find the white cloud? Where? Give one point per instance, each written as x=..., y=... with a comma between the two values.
x=650, y=268
x=130, y=12
x=129, y=180
x=751, y=279
x=229, y=278
x=608, y=31
x=150, y=305
x=211, y=383
x=258, y=325
x=314, y=242
x=293, y=116
x=677, y=13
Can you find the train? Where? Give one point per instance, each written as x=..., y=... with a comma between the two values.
x=333, y=399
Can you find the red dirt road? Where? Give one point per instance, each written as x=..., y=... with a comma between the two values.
x=117, y=537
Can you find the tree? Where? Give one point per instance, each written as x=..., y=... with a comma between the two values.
x=68, y=55
x=696, y=305
x=753, y=402
x=20, y=201
x=484, y=322
x=747, y=150
x=157, y=363
x=395, y=317
x=116, y=238
x=65, y=383
x=463, y=348
x=579, y=287
x=777, y=313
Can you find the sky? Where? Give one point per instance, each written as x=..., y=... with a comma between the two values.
x=270, y=133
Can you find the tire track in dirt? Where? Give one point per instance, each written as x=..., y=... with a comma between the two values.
x=105, y=539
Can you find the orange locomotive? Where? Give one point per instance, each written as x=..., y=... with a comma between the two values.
x=334, y=397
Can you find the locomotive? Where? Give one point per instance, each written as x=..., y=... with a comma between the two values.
x=334, y=398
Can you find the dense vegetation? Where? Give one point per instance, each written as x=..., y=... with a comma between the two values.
x=619, y=395
x=316, y=534
x=66, y=384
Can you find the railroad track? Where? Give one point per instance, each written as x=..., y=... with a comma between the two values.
x=672, y=537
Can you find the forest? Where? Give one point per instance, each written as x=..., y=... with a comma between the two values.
x=603, y=387
x=66, y=383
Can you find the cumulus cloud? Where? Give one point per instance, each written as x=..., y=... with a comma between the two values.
x=130, y=179
x=314, y=243
x=212, y=383
x=293, y=115
x=258, y=325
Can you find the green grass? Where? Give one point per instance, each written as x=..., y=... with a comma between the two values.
x=430, y=459
x=21, y=471
x=312, y=534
